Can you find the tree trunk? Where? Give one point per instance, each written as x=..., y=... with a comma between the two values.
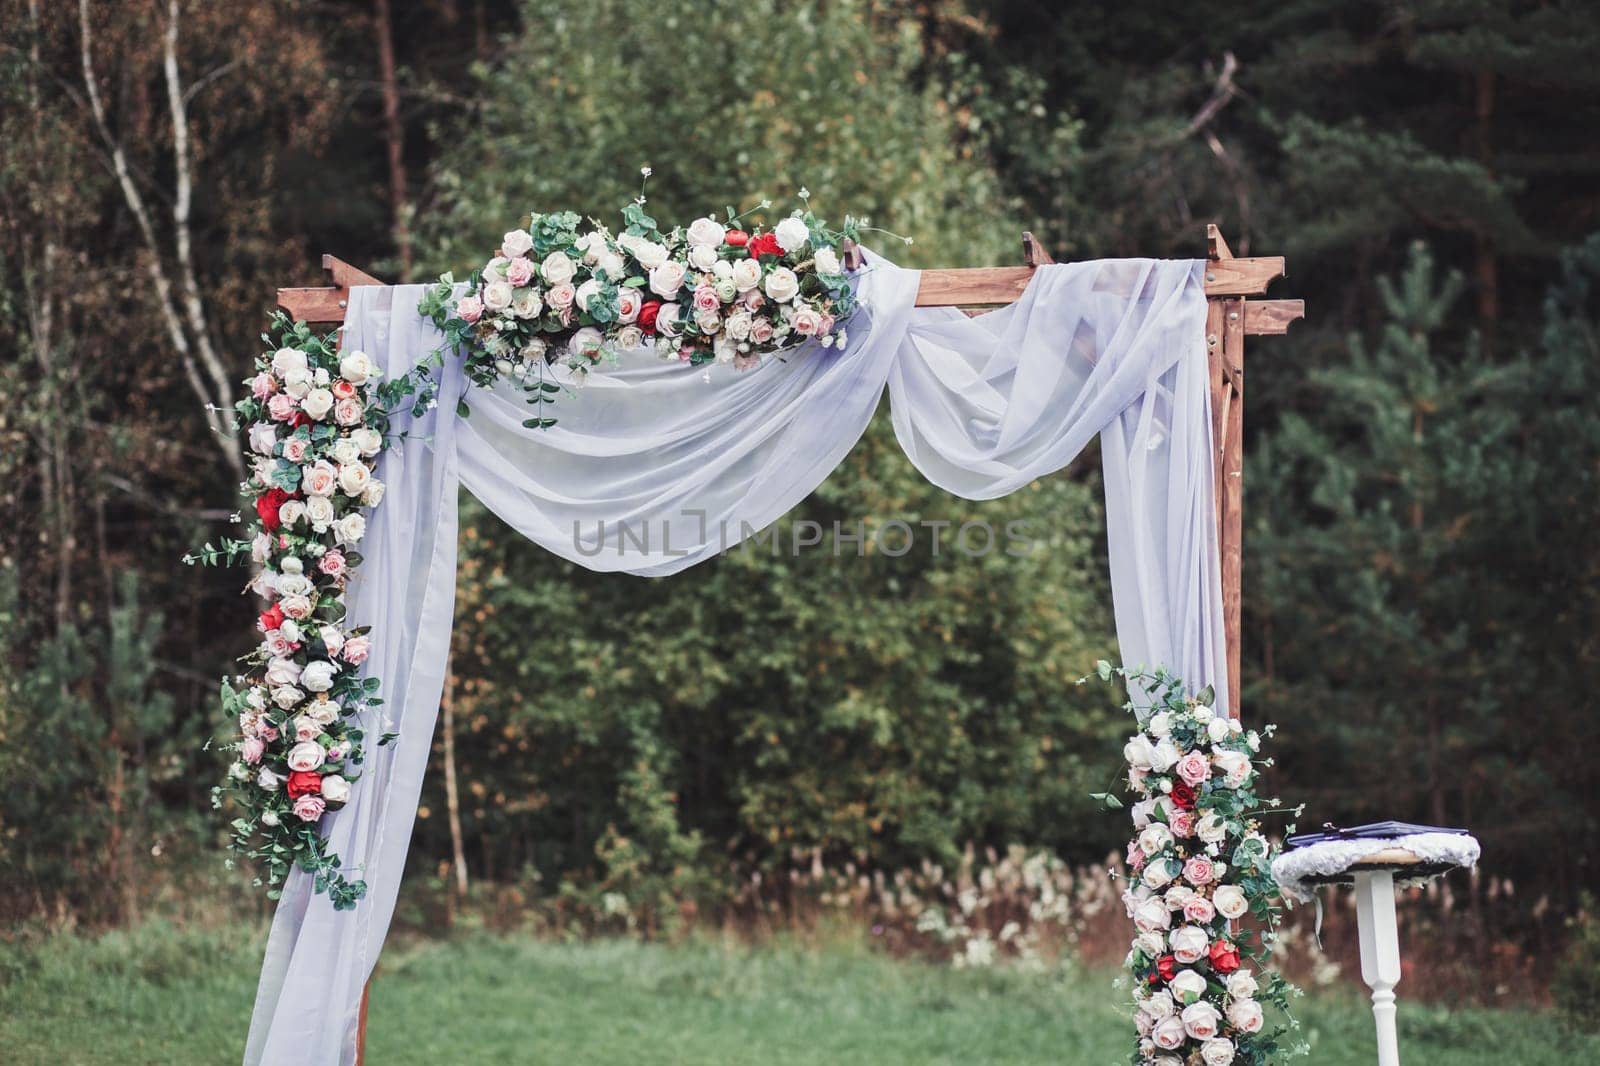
x=394, y=136
x=452, y=797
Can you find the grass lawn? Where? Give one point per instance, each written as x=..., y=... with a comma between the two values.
x=160, y=995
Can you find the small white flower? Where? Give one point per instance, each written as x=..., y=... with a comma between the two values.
x=792, y=234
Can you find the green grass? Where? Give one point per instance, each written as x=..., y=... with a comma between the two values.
x=163, y=995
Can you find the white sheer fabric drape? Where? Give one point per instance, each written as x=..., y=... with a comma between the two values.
x=653, y=467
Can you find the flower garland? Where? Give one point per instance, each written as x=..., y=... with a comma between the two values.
x=714, y=291
x=1202, y=871
x=317, y=420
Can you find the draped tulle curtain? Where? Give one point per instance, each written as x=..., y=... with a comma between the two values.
x=654, y=467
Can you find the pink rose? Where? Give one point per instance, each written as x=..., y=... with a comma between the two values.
x=281, y=406
x=296, y=607
x=1199, y=871
x=1194, y=768
x=332, y=562
x=753, y=299
x=309, y=808
x=1136, y=857
x=320, y=478
x=306, y=729
x=355, y=650
x=519, y=271
x=705, y=299
x=278, y=646
x=348, y=412
x=1181, y=823
x=253, y=749
x=827, y=325
x=294, y=449
x=263, y=385
x=267, y=732
x=806, y=322
x=1199, y=909
x=469, y=309
x=760, y=331
x=561, y=296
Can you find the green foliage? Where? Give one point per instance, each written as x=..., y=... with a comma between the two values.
x=1576, y=982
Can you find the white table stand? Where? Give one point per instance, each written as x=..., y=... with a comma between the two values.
x=1371, y=868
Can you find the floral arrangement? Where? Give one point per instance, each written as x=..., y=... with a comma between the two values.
x=1203, y=900
x=714, y=291
x=315, y=421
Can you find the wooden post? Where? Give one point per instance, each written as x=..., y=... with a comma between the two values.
x=1225, y=329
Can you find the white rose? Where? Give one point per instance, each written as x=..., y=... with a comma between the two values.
x=350, y=529
x=527, y=304
x=1151, y=914
x=289, y=629
x=629, y=338
x=373, y=494
x=317, y=404
x=1186, y=986
x=667, y=320
x=1241, y=984
x=306, y=755
x=331, y=638
x=557, y=269
x=666, y=279
x=1157, y=875
x=591, y=244
x=534, y=350
x=335, y=789
x=827, y=261
x=318, y=676
x=1201, y=1020
x=290, y=513
x=782, y=285
x=1138, y=752
x=722, y=270
x=1160, y=725
x=1188, y=942
x=791, y=234
x=319, y=511
x=1154, y=839
x=746, y=274
x=517, y=242
x=1177, y=896
x=370, y=441
x=1159, y=1006
x=709, y=322
x=497, y=295
x=268, y=781
x=628, y=304
x=1141, y=812
x=269, y=817
x=1168, y=1033
x=287, y=359
x=703, y=256
x=283, y=672
x=344, y=450
x=1235, y=767
x=650, y=254
x=1230, y=901
x=588, y=291
x=298, y=382
x=1166, y=755
x=1211, y=828
x=353, y=478
x=738, y=326
x=1217, y=1052
x=611, y=265
x=705, y=232
x=356, y=367
x=263, y=438
x=1246, y=1016
x=1151, y=943
x=1218, y=729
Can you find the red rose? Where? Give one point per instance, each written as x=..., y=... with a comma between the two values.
x=1183, y=796
x=647, y=315
x=736, y=237
x=766, y=244
x=298, y=419
x=1166, y=966
x=304, y=783
x=267, y=505
x=1224, y=956
x=271, y=619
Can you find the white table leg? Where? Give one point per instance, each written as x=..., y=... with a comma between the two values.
x=1380, y=955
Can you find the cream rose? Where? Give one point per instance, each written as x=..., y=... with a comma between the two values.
x=1138, y=752
x=1217, y=1051
x=827, y=261
x=517, y=242
x=557, y=268
x=1168, y=1033
x=318, y=676
x=1235, y=767
x=319, y=512
x=287, y=697
x=1165, y=755
x=586, y=292
x=287, y=359
x=350, y=529
x=1211, y=828
x=1246, y=1016
x=1159, y=1005
x=268, y=781
x=1151, y=914
x=1230, y=901
x=283, y=672
x=356, y=367
x=1189, y=943
x=666, y=279
x=321, y=478
x=1154, y=839
x=586, y=342
x=317, y=404
x=527, y=304
x=306, y=755
x=1241, y=984
x=705, y=232
x=703, y=256
x=1186, y=986
x=344, y=450
x=746, y=274
x=353, y=478
x=1201, y=1020
x=1158, y=875
x=497, y=295
x=649, y=254
x=629, y=338
x=782, y=285
x=369, y=440
x=263, y=438
x=373, y=494
x=335, y=789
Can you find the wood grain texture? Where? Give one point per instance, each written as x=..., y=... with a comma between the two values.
x=1231, y=492
x=1272, y=317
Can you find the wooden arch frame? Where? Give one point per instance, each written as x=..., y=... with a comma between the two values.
x=1230, y=317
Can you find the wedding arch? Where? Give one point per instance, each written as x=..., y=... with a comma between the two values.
x=996, y=376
